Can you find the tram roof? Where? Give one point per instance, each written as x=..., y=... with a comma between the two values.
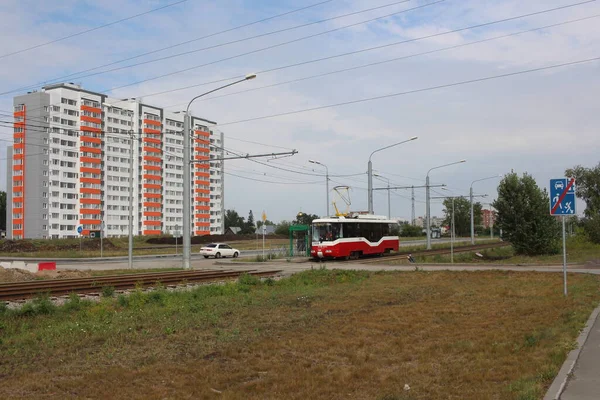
x=357, y=218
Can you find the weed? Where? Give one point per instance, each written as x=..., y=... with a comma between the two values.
x=269, y=281
x=43, y=305
x=3, y=307
x=108, y=291
x=123, y=300
x=157, y=297
x=73, y=303
x=247, y=279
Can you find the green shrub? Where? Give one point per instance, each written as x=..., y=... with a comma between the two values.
x=43, y=305
x=123, y=300
x=3, y=307
x=73, y=303
x=247, y=279
x=108, y=291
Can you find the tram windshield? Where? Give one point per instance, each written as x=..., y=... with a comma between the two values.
x=327, y=232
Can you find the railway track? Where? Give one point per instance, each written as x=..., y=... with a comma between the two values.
x=57, y=287
x=460, y=249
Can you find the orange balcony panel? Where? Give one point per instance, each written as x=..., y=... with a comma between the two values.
x=19, y=145
x=90, y=211
x=152, y=140
x=201, y=233
x=198, y=182
x=90, y=201
x=90, y=221
x=94, y=150
x=90, y=129
x=19, y=113
x=19, y=123
x=18, y=156
x=202, y=166
x=202, y=133
x=201, y=140
x=203, y=150
x=201, y=199
x=204, y=191
x=91, y=160
x=17, y=199
x=90, y=170
x=152, y=122
x=18, y=167
x=151, y=232
x=154, y=177
x=91, y=119
x=152, y=158
x=202, y=174
x=18, y=210
x=201, y=158
x=152, y=131
x=88, y=139
x=152, y=223
x=152, y=204
x=18, y=178
x=152, y=214
x=19, y=135
x=18, y=232
x=152, y=149
x=91, y=109
x=90, y=180
x=204, y=224
x=202, y=208
x=152, y=186
x=18, y=221
x=152, y=167
x=202, y=215
x=153, y=195
x=90, y=191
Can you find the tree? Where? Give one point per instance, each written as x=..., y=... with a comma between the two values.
x=2, y=210
x=587, y=188
x=524, y=217
x=283, y=228
x=304, y=219
x=233, y=219
x=259, y=223
x=408, y=230
x=462, y=215
x=249, y=227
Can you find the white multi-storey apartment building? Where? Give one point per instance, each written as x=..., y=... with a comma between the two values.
x=69, y=167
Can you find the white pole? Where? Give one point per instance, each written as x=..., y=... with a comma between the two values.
x=452, y=235
x=101, y=237
x=427, y=211
x=564, y=255
x=472, y=217
x=187, y=192
x=263, y=242
x=370, y=186
x=131, y=194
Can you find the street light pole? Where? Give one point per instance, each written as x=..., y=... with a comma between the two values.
x=428, y=202
x=131, y=193
x=471, y=201
x=326, y=182
x=187, y=192
x=370, y=171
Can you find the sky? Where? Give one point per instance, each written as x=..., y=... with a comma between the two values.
x=540, y=122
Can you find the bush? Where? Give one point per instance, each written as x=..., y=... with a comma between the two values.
x=73, y=304
x=411, y=231
x=108, y=291
x=3, y=307
x=247, y=279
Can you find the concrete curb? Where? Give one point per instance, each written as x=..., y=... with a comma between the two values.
x=560, y=382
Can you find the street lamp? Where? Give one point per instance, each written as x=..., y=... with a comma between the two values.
x=388, y=190
x=187, y=193
x=471, y=199
x=326, y=181
x=428, y=208
x=370, y=170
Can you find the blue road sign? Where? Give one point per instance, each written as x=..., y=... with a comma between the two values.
x=562, y=196
x=79, y=229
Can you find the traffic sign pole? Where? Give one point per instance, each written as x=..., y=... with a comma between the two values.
x=564, y=255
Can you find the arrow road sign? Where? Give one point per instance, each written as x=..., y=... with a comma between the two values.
x=562, y=196
x=79, y=229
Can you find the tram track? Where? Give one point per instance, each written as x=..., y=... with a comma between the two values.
x=57, y=287
x=460, y=249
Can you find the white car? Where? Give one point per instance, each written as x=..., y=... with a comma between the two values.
x=218, y=250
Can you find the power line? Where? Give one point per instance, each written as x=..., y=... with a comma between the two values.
x=216, y=45
x=385, y=46
x=277, y=183
x=175, y=45
x=91, y=29
x=430, y=88
x=270, y=47
x=366, y=49
x=392, y=60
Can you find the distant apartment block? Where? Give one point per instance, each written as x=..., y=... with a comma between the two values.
x=488, y=218
x=70, y=162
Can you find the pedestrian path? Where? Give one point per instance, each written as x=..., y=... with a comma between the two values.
x=584, y=383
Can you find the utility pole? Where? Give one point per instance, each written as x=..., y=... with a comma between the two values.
x=131, y=194
x=412, y=214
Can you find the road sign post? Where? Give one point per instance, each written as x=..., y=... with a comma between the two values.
x=80, y=231
x=176, y=236
x=264, y=230
x=101, y=237
x=562, y=202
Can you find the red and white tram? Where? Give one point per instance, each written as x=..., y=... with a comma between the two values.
x=352, y=236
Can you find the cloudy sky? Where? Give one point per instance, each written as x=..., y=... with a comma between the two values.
x=539, y=122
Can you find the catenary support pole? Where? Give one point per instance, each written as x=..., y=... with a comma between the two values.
x=427, y=212
x=472, y=217
x=131, y=194
x=187, y=193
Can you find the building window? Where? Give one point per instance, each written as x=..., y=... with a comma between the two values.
x=45, y=206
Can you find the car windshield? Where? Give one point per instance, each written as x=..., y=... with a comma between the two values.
x=212, y=246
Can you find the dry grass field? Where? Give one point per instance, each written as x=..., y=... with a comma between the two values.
x=320, y=334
